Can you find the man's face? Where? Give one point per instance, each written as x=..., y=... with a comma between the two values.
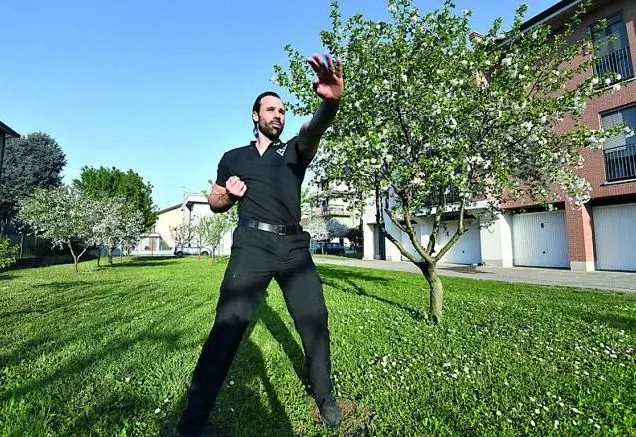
x=271, y=117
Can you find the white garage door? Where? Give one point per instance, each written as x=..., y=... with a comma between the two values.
x=615, y=237
x=539, y=239
x=466, y=250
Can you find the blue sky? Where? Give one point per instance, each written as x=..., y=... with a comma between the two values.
x=163, y=88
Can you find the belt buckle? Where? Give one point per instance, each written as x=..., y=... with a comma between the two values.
x=282, y=229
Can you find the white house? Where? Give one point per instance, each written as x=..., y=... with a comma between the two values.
x=161, y=240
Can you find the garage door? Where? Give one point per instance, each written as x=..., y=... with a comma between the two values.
x=540, y=240
x=467, y=250
x=615, y=237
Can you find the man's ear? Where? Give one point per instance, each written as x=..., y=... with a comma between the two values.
x=255, y=116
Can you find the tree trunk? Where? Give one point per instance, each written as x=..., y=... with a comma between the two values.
x=99, y=255
x=75, y=260
x=436, y=306
x=110, y=255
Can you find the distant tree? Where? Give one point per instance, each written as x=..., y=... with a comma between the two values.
x=211, y=229
x=111, y=182
x=336, y=229
x=64, y=215
x=182, y=234
x=355, y=236
x=116, y=221
x=30, y=162
x=317, y=228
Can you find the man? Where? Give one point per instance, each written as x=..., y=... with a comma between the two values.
x=265, y=179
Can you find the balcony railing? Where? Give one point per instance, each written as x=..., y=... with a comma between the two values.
x=620, y=162
x=444, y=197
x=619, y=62
x=333, y=210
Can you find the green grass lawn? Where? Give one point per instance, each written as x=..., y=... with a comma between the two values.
x=111, y=351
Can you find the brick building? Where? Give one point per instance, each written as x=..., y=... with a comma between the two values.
x=599, y=236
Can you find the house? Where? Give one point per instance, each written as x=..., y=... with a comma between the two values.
x=330, y=204
x=598, y=236
x=161, y=239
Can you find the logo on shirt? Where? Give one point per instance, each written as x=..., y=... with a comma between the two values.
x=281, y=151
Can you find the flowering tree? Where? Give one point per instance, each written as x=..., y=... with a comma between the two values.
x=116, y=221
x=317, y=228
x=335, y=229
x=211, y=229
x=428, y=112
x=182, y=234
x=64, y=215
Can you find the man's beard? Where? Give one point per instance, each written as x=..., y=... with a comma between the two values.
x=269, y=131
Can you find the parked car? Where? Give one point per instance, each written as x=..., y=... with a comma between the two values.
x=192, y=249
x=330, y=249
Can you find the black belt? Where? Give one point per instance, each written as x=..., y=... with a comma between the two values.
x=277, y=229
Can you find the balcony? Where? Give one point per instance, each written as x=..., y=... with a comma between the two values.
x=448, y=196
x=619, y=62
x=333, y=210
x=620, y=162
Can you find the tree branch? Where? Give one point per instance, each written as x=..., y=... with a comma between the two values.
x=455, y=237
x=413, y=235
x=397, y=243
x=433, y=237
x=405, y=130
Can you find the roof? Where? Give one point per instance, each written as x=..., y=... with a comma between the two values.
x=170, y=208
x=192, y=198
x=557, y=12
x=7, y=131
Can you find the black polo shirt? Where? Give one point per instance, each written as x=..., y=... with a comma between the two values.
x=273, y=180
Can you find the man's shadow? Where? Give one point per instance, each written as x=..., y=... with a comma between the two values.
x=239, y=410
x=277, y=328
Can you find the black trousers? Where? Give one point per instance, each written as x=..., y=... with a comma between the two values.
x=257, y=257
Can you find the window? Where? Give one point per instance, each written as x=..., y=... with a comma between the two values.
x=612, y=48
x=620, y=151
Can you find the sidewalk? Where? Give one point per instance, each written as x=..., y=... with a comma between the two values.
x=615, y=281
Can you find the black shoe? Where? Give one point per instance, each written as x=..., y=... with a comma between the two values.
x=330, y=412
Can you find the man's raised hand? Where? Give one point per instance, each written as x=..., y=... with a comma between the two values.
x=329, y=85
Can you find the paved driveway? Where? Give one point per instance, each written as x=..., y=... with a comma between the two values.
x=615, y=281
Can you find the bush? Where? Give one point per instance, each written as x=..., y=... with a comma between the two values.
x=7, y=252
